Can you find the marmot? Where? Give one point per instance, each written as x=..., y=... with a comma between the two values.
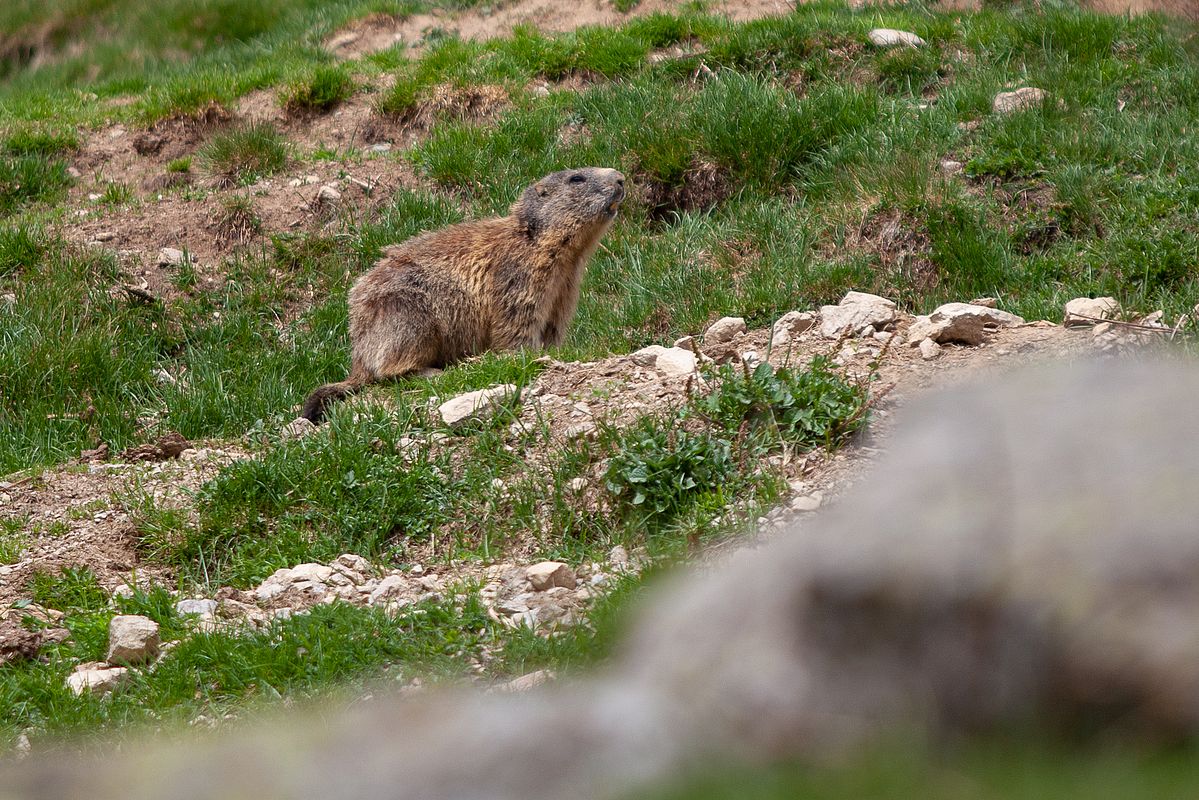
x=495, y=284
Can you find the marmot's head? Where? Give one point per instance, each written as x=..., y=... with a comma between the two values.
x=571, y=202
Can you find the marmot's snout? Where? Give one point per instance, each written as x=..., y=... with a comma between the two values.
x=614, y=181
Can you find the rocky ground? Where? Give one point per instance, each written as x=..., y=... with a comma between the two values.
x=84, y=513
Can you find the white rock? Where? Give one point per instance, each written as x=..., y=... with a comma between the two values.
x=1087, y=311
x=196, y=606
x=297, y=428
x=551, y=574
x=526, y=682
x=1019, y=100
x=808, y=502
x=951, y=167
x=751, y=359
x=389, y=588
x=328, y=194
x=618, y=555
x=96, y=677
x=686, y=343
x=132, y=639
x=857, y=310
x=889, y=37
x=672, y=361
x=960, y=322
x=275, y=585
x=648, y=356
x=478, y=405
x=790, y=325
x=381, y=147
x=311, y=572
x=929, y=349
x=352, y=562
x=577, y=485
x=724, y=330
x=170, y=257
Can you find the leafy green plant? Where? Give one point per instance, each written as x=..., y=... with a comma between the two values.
x=660, y=467
x=116, y=194
x=813, y=407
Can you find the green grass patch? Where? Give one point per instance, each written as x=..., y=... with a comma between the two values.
x=218, y=673
x=241, y=156
x=328, y=86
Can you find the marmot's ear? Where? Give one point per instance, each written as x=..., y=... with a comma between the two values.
x=542, y=190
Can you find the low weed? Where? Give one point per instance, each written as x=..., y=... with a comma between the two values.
x=660, y=468
x=27, y=179
x=75, y=589
x=805, y=408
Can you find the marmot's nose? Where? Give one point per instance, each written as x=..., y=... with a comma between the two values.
x=615, y=177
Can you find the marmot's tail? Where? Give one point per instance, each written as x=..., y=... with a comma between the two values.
x=318, y=401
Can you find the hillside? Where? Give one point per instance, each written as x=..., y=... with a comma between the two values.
x=187, y=191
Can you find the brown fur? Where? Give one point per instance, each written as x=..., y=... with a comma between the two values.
x=495, y=284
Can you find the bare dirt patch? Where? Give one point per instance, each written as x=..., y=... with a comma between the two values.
x=704, y=186
x=379, y=32
x=77, y=516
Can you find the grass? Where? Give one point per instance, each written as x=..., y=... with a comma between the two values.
x=778, y=164
x=235, y=672
x=1010, y=768
x=242, y=156
x=13, y=539
x=327, y=87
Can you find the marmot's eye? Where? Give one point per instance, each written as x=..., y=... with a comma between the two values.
x=577, y=179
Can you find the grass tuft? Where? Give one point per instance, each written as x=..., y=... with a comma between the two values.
x=326, y=88
x=242, y=156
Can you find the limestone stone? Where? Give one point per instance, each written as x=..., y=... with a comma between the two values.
x=132, y=639
x=170, y=257
x=856, y=311
x=889, y=37
x=789, y=326
x=550, y=574
x=1084, y=311
x=479, y=405
x=724, y=330
x=96, y=677
x=1021, y=99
